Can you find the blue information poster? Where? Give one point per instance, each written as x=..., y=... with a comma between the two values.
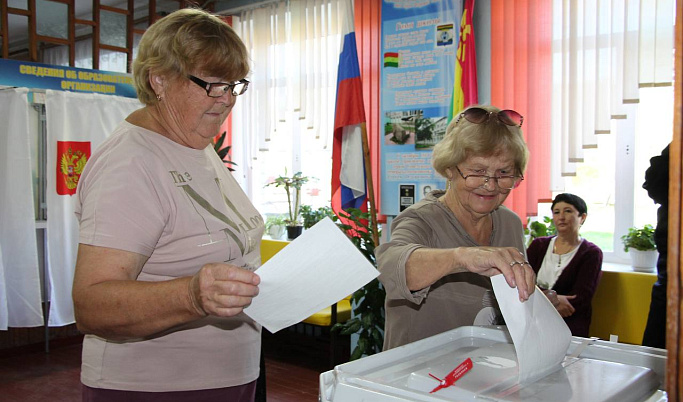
x=419, y=42
x=26, y=74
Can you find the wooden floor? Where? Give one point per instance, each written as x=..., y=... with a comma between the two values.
x=30, y=374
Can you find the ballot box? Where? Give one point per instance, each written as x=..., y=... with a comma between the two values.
x=592, y=370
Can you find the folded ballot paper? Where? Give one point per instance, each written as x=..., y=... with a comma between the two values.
x=316, y=270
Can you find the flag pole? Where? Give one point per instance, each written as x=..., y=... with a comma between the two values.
x=371, y=190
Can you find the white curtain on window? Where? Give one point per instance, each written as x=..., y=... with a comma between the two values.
x=294, y=48
x=19, y=270
x=603, y=52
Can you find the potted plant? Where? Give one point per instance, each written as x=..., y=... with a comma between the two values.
x=275, y=226
x=368, y=301
x=224, y=152
x=312, y=216
x=539, y=229
x=639, y=243
x=292, y=186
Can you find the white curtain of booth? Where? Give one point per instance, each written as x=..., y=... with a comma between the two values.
x=19, y=269
x=294, y=48
x=603, y=52
x=72, y=117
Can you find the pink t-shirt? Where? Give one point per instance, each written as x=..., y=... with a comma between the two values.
x=144, y=193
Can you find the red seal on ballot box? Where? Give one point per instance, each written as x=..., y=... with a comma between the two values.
x=71, y=159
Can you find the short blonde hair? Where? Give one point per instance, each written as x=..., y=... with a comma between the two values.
x=184, y=41
x=464, y=139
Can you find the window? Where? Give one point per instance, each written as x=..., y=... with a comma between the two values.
x=610, y=178
x=284, y=123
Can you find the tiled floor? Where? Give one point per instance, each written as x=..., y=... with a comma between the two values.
x=33, y=375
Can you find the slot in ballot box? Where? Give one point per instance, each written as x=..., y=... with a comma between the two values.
x=592, y=370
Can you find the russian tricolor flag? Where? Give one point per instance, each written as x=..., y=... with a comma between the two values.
x=348, y=169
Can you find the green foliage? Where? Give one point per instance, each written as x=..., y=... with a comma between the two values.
x=292, y=186
x=368, y=301
x=312, y=216
x=640, y=238
x=539, y=229
x=388, y=128
x=424, y=129
x=224, y=153
x=275, y=220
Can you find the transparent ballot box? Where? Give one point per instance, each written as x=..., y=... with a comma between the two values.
x=592, y=370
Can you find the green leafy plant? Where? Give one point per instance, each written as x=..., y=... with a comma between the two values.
x=224, y=153
x=368, y=301
x=642, y=239
x=275, y=220
x=539, y=229
x=312, y=216
x=275, y=226
x=292, y=186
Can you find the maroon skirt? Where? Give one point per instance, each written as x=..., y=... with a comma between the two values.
x=239, y=393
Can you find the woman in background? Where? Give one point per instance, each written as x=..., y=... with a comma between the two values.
x=568, y=264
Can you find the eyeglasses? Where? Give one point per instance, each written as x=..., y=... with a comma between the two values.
x=479, y=115
x=480, y=180
x=218, y=89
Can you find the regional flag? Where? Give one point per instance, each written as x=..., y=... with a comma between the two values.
x=391, y=59
x=465, y=86
x=348, y=168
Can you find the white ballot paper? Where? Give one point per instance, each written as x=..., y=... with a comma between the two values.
x=316, y=270
x=540, y=335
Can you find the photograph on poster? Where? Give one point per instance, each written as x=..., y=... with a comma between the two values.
x=429, y=131
x=399, y=128
x=444, y=35
x=426, y=188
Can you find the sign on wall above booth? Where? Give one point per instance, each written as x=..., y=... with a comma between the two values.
x=45, y=76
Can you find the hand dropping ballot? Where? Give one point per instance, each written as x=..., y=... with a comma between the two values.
x=316, y=270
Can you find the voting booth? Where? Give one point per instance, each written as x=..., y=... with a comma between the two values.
x=592, y=370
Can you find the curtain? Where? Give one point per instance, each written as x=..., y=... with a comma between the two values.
x=73, y=118
x=368, y=21
x=604, y=51
x=19, y=270
x=294, y=47
x=521, y=71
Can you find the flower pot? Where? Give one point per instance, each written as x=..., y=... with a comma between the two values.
x=294, y=231
x=276, y=231
x=643, y=261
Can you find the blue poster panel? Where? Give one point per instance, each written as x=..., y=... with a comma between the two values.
x=419, y=42
x=26, y=74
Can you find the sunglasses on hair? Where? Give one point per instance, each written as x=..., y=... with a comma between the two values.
x=479, y=115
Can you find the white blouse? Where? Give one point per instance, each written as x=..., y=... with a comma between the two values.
x=553, y=265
